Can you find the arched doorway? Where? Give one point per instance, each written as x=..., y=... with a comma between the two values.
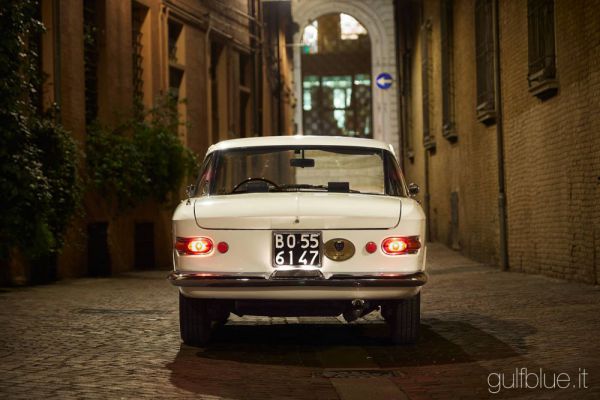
x=336, y=77
x=376, y=16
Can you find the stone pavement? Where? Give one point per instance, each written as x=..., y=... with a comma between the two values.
x=118, y=338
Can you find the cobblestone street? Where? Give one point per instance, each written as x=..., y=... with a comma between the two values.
x=118, y=338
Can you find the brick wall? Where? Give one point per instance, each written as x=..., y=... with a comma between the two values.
x=469, y=166
x=551, y=147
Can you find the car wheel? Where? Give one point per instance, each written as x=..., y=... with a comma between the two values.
x=404, y=317
x=194, y=321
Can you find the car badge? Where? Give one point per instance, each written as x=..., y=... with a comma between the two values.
x=339, y=249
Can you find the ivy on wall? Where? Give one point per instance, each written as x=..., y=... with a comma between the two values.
x=142, y=158
x=39, y=186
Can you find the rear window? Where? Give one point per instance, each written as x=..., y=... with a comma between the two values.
x=294, y=168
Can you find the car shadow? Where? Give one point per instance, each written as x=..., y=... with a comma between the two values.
x=246, y=350
x=306, y=344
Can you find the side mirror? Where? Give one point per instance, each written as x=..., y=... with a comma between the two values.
x=190, y=191
x=413, y=189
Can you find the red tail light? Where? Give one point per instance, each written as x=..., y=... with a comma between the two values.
x=371, y=247
x=401, y=245
x=223, y=247
x=193, y=245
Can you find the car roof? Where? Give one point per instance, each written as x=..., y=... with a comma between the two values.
x=299, y=140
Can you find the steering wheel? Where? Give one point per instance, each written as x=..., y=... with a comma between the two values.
x=270, y=182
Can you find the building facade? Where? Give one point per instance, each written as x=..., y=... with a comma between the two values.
x=500, y=105
x=492, y=107
x=102, y=59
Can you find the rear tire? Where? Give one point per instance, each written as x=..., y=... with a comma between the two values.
x=194, y=321
x=404, y=318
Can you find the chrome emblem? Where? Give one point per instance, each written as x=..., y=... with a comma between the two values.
x=339, y=249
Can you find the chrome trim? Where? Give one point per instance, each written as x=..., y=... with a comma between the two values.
x=195, y=279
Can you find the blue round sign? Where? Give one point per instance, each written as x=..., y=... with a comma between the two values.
x=384, y=80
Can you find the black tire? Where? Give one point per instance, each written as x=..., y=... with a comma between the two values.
x=404, y=319
x=194, y=321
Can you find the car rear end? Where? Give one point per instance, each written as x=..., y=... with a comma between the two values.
x=323, y=250
x=368, y=263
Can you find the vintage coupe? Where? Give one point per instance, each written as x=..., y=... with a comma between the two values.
x=299, y=226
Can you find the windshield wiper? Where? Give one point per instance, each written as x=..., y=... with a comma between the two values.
x=301, y=186
x=308, y=186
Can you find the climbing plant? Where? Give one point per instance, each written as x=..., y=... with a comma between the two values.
x=39, y=184
x=141, y=159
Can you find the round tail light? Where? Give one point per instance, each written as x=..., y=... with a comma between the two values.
x=371, y=247
x=193, y=245
x=223, y=247
x=401, y=245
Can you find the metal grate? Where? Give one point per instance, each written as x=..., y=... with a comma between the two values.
x=323, y=111
x=336, y=80
x=358, y=373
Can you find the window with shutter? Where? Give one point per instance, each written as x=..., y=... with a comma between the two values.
x=90, y=59
x=446, y=28
x=407, y=94
x=484, y=54
x=542, y=57
x=428, y=139
x=138, y=16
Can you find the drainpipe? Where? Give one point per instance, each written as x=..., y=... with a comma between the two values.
x=427, y=196
x=500, y=143
x=426, y=151
x=399, y=89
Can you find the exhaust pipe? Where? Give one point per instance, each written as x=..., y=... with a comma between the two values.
x=359, y=308
x=358, y=303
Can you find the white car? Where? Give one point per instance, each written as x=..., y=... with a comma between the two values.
x=299, y=226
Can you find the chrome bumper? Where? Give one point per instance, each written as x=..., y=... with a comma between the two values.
x=195, y=279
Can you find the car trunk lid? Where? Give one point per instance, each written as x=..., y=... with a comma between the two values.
x=298, y=210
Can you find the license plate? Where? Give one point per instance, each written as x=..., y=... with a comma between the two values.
x=297, y=249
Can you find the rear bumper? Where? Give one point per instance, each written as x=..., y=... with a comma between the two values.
x=211, y=280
